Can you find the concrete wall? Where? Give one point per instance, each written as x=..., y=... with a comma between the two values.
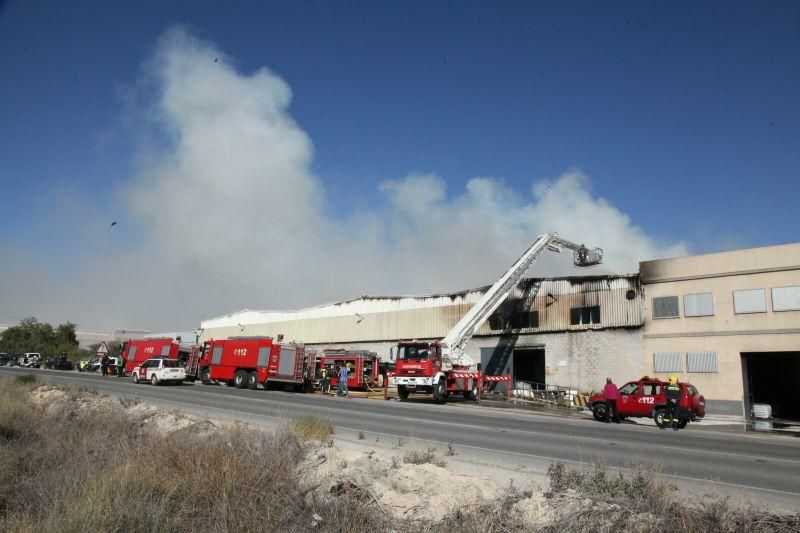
x=726, y=333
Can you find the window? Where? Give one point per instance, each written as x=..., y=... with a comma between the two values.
x=525, y=320
x=667, y=362
x=171, y=363
x=629, y=388
x=165, y=349
x=666, y=307
x=750, y=301
x=132, y=353
x=698, y=304
x=701, y=361
x=584, y=315
x=786, y=298
x=651, y=389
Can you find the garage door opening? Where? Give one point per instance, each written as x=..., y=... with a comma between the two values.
x=528, y=366
x=772, y=378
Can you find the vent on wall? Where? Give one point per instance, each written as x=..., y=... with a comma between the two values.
x=701, y=361
x=667, y=362
x=666, y=307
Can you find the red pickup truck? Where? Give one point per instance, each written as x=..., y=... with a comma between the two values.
x=644, y=398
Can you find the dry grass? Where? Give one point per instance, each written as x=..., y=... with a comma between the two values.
x=597, y=499
x=421, y=457
x=313, y=428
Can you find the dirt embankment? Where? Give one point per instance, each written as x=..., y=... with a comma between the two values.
x=75, y=461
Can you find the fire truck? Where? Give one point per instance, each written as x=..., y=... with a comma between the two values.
x=441, y=367
x=250, y=361
x=135, y=352
x=364, y=374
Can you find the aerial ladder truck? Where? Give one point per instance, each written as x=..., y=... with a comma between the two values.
x=441, y=367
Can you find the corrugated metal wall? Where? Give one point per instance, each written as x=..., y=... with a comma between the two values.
x=620, y=299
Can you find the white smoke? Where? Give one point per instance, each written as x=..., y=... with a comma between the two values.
x=232, y=216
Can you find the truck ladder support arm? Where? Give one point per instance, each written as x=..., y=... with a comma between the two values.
x=455, y=341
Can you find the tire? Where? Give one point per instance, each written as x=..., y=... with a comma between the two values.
x=205, y=377
x=136, y=377
x=240, y=379
x=682, y=424
x=440, y=391
x=600, y=412
x=402, y=392
x=252, y=380
x=154, y=380
x=658, y=416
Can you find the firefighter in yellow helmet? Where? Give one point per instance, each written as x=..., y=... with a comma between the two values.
x=673, y=393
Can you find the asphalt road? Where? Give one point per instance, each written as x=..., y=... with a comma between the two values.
x=764, y=466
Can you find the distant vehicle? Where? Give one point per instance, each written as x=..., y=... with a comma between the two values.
x=30, y=360
x=6, y=359
x=645, y=399
x=58, y=363
x=159, y=370
x=136, y=352
x=93, y=365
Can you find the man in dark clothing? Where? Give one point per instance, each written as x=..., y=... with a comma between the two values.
x=104, y=364
x=673, y=393
x=323, y=379
x=610, y=393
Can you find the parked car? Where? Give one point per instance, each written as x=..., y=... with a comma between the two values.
x=159, y=370
x=645, y=398
x=30, y=360
x=6, y=359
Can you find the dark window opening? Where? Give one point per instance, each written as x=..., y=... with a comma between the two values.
x=584, y=315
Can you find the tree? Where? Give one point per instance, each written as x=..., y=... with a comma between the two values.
x=30, y=335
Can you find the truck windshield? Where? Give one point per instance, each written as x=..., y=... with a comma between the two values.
x=413, y=352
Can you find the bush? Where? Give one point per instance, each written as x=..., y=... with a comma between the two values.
x=27, y=379
x=421, y=457
x=313, y=428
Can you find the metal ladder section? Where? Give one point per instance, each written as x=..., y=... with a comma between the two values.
x=453, y=344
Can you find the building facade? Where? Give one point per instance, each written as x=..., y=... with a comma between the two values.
x=728, y=323
x=571, y=332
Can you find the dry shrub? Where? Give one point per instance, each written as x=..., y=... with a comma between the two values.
x=69, y=469
x=490, y=515
x=310, y=427
x=421, y=457
x=596, y=499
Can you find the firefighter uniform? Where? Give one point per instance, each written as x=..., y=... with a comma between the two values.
x=673, y=393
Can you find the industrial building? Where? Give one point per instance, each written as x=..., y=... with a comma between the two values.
x=727, y=322
x=730, y=324
x=570, y=332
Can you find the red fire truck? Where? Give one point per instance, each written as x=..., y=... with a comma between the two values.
x=250, y=361
x=135, y=352
x=364, y=370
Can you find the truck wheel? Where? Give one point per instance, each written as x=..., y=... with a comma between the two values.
x=471, y=394
x=402, y=391
x=658, y=416
x=600, y=412
x=252, y=380
x=682, y=424
x=205, y=378
x=240, y=379
x=154, y=380
x=440, y=391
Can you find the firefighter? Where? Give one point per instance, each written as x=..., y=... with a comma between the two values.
x=324, y=384
x=120, y=366
x=673, y=393
x=104, y=364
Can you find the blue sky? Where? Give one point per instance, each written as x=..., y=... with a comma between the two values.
x=685, y=116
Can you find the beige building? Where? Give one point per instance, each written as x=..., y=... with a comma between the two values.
x=730, y=324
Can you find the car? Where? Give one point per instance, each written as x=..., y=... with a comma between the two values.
x=159, y=370
x=6, y=359
x=58, y=363
x=644, y=398
x=30, y=360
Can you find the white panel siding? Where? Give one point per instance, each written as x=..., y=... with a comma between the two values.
x=786, y=298
x=430, y=317
x=701, y=361
x=750, y=301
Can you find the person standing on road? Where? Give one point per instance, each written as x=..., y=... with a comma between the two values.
x=610, y=393
x=104, y=364
x=673, y=393
x=120, y=366
x=341, y=389
x=323, y=378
